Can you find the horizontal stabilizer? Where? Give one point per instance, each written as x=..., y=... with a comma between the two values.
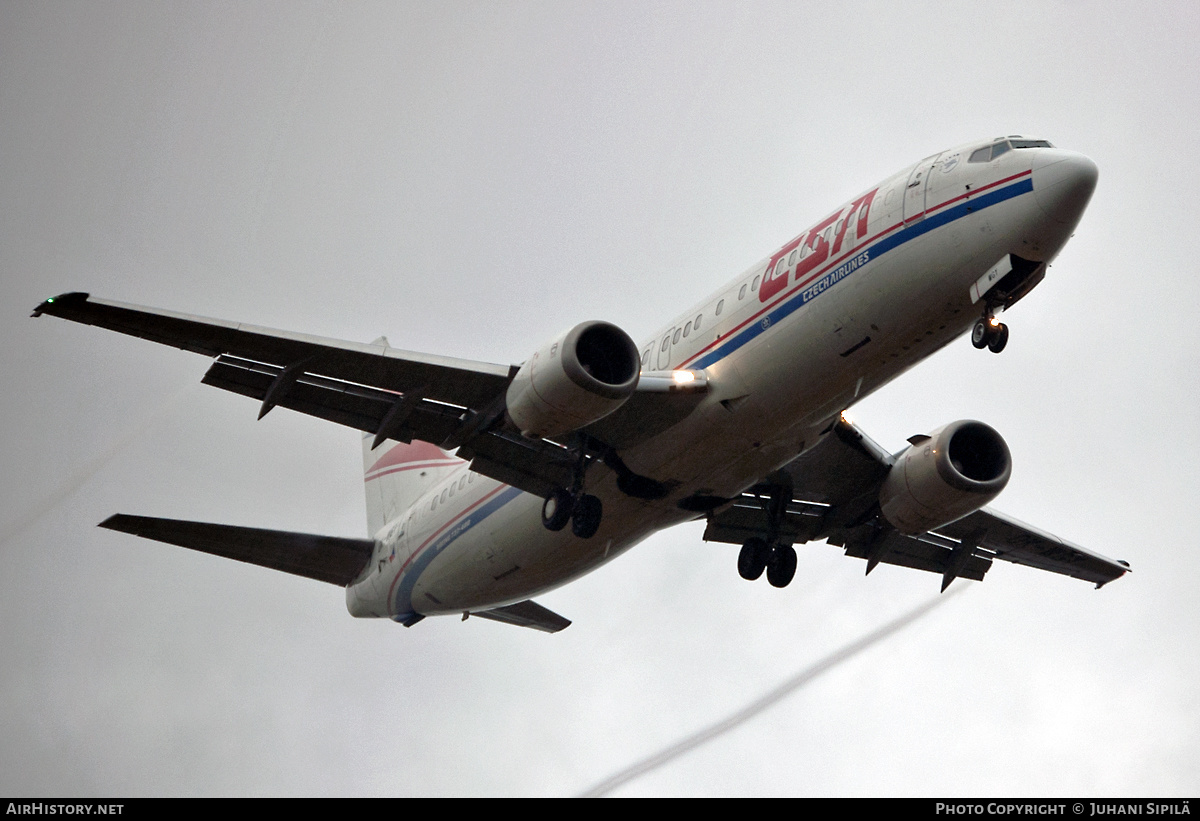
x=324, y=558
x=526, y=614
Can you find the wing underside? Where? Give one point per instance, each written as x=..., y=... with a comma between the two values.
x=832, y=492
x=394, y=394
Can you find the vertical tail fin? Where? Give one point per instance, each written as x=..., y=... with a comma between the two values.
x=397, y=473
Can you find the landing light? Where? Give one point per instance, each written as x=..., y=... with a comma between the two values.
x=995, y=323
x=846, y=418
x=683, y=377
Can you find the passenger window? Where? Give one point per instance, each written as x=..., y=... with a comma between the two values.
x=675, y=338
x=687, y=329
x=646, y=358
x=698, y=318
x=666, y=342
x=443, y=500
x=720, y=305
x=742, y=293
x=754, y=284
x=792, y=259
x=462, y=483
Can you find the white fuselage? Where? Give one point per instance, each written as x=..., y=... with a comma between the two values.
x=846, y=306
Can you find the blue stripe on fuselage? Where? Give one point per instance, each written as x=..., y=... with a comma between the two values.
x=432, y=549
x=845, y=269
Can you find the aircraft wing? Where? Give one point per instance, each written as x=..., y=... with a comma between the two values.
x=831, y=493
x=375, y=388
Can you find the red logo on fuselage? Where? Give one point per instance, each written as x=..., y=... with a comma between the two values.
x=812, y=248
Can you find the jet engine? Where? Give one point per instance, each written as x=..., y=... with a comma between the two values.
x=580, y=377
x=944, y=476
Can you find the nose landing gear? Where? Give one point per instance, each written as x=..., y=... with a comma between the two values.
x=989, y=333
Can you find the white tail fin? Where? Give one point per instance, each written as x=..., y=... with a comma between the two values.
x=397, y=473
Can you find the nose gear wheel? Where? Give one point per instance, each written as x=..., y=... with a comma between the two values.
x=990, y=335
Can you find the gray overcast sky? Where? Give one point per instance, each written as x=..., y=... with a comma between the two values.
x=470, y=178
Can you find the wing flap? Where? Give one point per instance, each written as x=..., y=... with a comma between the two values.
x=533, y=466
x=746, y=518
x=920, y=553
x=329, y=559
x=357, y=406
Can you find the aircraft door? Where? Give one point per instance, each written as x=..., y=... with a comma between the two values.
x=914, y=194
x=664, y=351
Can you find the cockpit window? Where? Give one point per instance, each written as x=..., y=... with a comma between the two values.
x=1030, y=144
x=990, y=152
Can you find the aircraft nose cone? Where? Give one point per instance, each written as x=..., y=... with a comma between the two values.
x=1063, y=182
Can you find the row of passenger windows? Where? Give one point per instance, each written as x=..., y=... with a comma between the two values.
x=797, y=254
x=694, y=324
x=449, y=492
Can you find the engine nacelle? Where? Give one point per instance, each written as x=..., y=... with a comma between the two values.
x=954, y=471
x=578, y=378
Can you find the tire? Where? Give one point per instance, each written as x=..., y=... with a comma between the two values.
x=781, y=566
x=585, y=521
x=981, y=334
x=999, y=339
x=556, y=510
x=752, y=560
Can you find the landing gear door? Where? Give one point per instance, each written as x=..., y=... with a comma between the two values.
x=918, y=184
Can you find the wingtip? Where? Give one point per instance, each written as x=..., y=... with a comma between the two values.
x=55, y=303
x=117, y=521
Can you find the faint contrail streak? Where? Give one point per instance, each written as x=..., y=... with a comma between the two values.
x=90, y=468
x=778, y=694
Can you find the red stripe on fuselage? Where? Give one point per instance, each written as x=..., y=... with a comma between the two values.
x=796, y=286
x=433, y=537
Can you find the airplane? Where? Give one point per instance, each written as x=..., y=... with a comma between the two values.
x=733, y=412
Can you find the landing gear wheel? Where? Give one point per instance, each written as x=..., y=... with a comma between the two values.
x=999, y=339
x=752, y=560
x=981, y=334
x=556, y=510
x=781, y=565
x=586, y=519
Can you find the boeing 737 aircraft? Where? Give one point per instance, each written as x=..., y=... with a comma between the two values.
x=731, y=412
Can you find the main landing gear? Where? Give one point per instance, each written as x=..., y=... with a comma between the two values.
x=582, y=510
x=989, y=333
x=779, y=560
x=770, y=554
